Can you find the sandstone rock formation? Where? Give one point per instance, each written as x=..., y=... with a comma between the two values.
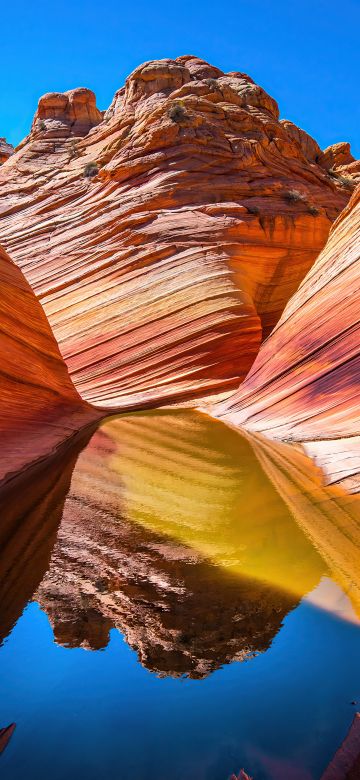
x=328, y=514
x=346, y=763
x=6, y=150
x=39, y=407
x=64, y=114
x=304, y=384
x=165, y=238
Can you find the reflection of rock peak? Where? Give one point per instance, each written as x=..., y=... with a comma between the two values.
x=164, y=537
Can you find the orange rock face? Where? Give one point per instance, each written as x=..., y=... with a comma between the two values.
x=165, y=238
x=304, y=384
x=39, y=407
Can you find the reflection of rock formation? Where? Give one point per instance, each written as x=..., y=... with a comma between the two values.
x=31, y=511
x=180, y=613
x=328, y=515
x=167, y=240
x=168, y=531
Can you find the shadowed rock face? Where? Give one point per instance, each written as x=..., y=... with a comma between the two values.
x=167, y=241
x=169, y=527
x=31, y=512
x=39, y=407
x=6, y=150
x=304, y=384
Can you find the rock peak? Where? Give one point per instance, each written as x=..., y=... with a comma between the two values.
x=61, y=114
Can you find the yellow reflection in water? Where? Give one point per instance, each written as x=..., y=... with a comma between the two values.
x=188, y=477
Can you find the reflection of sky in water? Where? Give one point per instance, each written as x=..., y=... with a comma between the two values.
x=94, y=715
x=198, y=545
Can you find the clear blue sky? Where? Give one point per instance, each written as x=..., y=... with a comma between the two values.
x=305, y=53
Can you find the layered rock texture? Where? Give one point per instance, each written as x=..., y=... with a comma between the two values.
x=39, y=407
x=6, y=150
x=304, y=384
x=165, y=237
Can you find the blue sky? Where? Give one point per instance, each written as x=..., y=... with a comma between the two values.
x=305, y=53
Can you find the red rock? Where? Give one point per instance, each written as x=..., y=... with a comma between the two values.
x=5, y=735
x=6, y=150
x=304, y=384
x=165, y=243
x=66, y=113
x=346, y=762
x=39, y=407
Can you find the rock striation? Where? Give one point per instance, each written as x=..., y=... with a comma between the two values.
x=39, y=407
x=6, y=150
x=304, y=384
x=165, y=237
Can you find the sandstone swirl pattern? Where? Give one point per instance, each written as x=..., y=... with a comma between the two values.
x=39, y=407
x=165, y=237
x=304, y=384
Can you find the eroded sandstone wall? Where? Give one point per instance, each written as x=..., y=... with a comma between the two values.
x=39, y=406
x=165, y=237
x=304, y=384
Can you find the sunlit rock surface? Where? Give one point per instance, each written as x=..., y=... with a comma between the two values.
x=165, y=243
x=305, y=382
x=39, y=407
x=328, y=514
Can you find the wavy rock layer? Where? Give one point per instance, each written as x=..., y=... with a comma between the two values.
x=305, y=382
x=166, y=241
x=39, y=407
x=328, y=515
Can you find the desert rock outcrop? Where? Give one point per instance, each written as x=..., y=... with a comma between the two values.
x=304, y=384
x=39, y=407
x=165, y=243
x=6, y=150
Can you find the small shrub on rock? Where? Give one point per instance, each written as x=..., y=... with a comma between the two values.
x=177, y=112
x=293, y=196
x=313, y=210
x=345, y=181
x=73, y=150
x=90, y=170
x=42, y=126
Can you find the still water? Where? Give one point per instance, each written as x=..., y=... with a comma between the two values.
x=177, y=601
